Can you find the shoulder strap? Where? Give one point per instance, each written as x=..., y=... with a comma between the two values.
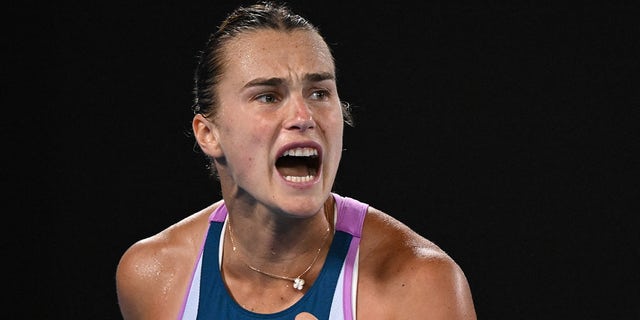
x=351, y=215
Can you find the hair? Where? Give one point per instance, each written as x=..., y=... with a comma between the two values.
x=210, y=65
x=262, y=15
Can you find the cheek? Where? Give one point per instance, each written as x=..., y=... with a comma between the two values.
x=336, y=127
x=244, y=132
x=250, y=140
x=333, y=131
x=251, y=151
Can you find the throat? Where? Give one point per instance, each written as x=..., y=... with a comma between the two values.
x=295, y=273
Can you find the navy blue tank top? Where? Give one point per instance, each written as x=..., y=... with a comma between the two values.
x=332, y=295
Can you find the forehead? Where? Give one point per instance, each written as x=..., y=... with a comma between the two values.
x=267, y=53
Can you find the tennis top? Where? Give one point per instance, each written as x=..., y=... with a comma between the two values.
x=332, y=295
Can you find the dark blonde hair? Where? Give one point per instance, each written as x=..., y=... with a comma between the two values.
x=262, y=15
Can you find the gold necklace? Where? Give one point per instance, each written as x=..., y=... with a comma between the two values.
x=298, y=282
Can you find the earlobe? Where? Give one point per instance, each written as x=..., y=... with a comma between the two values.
x=206, y=134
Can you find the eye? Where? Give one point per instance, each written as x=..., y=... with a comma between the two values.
x=266, y=98
x=320, y=95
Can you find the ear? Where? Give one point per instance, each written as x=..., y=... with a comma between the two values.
x=206, y=134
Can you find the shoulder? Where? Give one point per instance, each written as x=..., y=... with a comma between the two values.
x=153, y=273
x=405, y=274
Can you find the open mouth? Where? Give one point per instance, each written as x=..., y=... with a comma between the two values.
x=299, y=164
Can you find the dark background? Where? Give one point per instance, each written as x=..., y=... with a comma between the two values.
x=502, y=132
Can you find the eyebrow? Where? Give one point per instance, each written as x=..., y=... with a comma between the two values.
x=310, y=77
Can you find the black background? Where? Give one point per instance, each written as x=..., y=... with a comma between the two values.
x=502, y=132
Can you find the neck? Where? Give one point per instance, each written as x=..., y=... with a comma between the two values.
x=273, y=237
x=288, y=253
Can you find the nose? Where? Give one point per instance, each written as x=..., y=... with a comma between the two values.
x=300, y=116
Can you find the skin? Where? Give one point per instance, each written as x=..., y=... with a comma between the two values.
x=278, y=225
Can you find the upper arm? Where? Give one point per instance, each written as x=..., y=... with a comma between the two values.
x=440, y=288
x=414, y=287
x=405, y=276
x=147, y=283
x=133, y=279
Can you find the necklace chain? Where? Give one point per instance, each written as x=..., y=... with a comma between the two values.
x=298, y=282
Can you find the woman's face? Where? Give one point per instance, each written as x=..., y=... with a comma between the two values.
x=279, y=127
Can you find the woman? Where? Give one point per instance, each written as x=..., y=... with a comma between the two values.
x=280, y=244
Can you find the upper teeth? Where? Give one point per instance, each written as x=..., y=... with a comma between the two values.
x=301, y=152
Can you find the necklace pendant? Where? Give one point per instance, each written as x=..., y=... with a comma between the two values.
x=298, y=283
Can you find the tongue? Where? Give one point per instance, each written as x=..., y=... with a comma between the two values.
x=290, y=170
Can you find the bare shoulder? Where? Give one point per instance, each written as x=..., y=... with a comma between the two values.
x=153, y=273
x=402, y=274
